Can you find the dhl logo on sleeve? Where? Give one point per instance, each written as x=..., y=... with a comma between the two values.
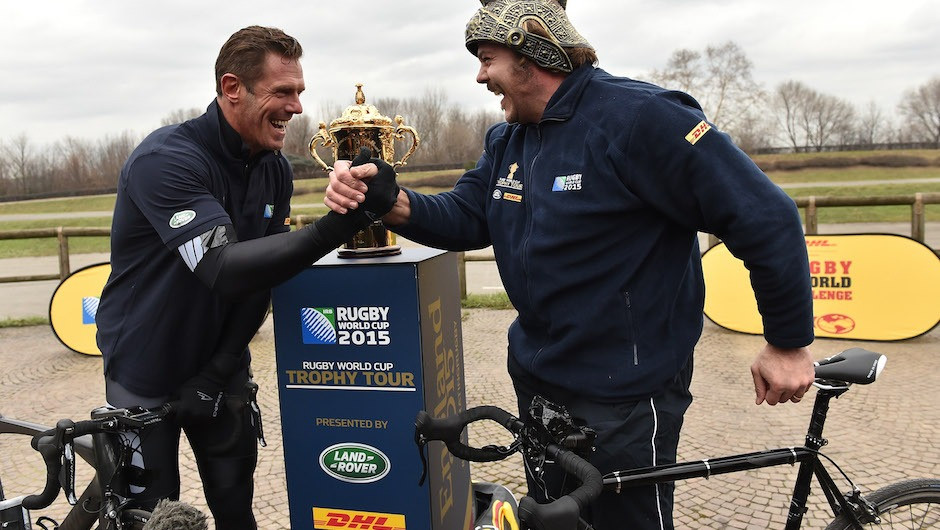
x=335, y=519
x=696, y=134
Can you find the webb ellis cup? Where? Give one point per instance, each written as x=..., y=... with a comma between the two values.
x=361, y=125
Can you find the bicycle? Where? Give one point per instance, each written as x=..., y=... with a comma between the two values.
x=99, y=441
x=553, y=436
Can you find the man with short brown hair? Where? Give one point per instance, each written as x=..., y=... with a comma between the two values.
x=200, y=233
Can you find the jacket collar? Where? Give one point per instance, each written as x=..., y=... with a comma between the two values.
x=563, y=102
x=230, y=143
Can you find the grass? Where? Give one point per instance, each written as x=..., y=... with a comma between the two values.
x=487, y=301
x=869, y=214
x=856, y=173
x=92, y=203
x=24, y=322
x=927, y=154
x=48, y=246
x=308, y=198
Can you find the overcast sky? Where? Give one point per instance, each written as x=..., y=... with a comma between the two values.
x=88, y=69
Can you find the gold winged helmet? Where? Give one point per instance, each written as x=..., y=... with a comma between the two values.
x=503, y=22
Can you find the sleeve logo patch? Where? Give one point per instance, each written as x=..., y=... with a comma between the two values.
x=268, y=211
x=696, y=134
x=182, y=218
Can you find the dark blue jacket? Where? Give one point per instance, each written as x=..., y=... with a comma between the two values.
x=593, y=216
x=158, y=324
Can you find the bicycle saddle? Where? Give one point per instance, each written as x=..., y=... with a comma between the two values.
x=855, y=365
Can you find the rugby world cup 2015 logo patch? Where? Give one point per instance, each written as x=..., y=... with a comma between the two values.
x=567, y=183
x=318, y=325
x=89, y=309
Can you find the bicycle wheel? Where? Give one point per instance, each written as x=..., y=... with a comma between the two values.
x=910, y=504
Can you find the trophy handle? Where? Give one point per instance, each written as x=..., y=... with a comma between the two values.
x=399, y=134
x=326, y=139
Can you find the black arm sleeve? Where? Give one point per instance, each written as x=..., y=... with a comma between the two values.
x=234, y=269
x=243, y=321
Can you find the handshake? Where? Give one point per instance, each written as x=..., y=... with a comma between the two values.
x=383, y=187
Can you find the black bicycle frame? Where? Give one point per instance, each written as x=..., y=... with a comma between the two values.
x=807, y=456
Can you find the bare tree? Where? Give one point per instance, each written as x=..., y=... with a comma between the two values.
x=19, y=157
x=427, y=114
x=75, y=158
x=721, y=80
x=825, y=118
x=791, y=99
x=683, y=71
x=111, y=153
x=4, y=165
x=755, y=131
x=460, y=138
x=180, y=115
x=920, y=109
x=300, y=130
x=812, y=120
x=872, y=125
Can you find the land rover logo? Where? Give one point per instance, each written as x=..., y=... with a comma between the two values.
x=181, y=218
x=354, y=462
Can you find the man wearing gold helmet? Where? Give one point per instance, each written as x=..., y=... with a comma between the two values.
x=592, y=194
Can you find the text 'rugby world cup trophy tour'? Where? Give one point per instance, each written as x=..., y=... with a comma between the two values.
x=362, y=345
x=361, y=125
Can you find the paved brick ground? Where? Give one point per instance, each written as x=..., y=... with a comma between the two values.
x=878, y=434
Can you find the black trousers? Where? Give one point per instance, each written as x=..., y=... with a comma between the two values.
x=227, y=478
x=630, y=434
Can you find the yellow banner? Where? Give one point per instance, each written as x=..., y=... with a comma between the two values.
x=74, y=306
x=865, y=286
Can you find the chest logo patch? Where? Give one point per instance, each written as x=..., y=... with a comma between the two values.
x=182, y=218
x=698, y=132
x=509, y=181
x=567, y=183
x=513, y=187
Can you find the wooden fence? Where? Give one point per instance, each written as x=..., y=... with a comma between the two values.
x=810, y=206
x=62, y=234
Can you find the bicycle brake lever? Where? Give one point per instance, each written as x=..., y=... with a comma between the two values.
x=255, y=411
x=67, y=472
x=420, y=441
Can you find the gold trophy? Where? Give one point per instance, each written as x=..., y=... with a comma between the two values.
x=361, y=125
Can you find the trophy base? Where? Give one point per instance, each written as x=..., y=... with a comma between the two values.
x=371, y=252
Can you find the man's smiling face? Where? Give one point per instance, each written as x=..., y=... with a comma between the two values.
x=503, y=75
x=268, y=105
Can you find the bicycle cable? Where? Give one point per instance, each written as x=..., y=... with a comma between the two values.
x=838, y=468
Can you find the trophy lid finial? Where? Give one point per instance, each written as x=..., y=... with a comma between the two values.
x=360, y=96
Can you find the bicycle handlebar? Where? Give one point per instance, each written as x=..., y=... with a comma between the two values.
x=448, y=430
x=560, y=514
x=564, y=512
x=52, y=444
x=55, y=445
